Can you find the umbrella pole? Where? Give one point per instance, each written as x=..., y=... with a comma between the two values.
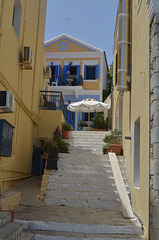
x=89, y=121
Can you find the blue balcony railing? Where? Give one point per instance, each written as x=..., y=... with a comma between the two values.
x=66, y=80
x=51, y=100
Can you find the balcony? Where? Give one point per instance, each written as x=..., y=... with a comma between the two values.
x=51, y=100
x=66, y=80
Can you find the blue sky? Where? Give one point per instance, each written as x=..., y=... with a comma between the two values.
x=91, y=21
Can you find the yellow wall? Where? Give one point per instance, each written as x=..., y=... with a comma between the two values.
x=135, y=104
x=24, y=84
x=49, y=120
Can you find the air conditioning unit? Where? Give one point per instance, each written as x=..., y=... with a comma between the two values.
x=27, y=57
x=6, y=102
x=48, y=72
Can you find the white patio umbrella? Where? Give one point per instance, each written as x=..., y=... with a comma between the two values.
x=88, y=106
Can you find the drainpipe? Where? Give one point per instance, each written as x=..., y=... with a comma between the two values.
x=123, y=46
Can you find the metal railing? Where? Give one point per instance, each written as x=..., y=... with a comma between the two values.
x=66, y=80
x=51, y=100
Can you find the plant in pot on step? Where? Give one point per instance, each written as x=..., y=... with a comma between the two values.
x=51, y=150
x=113, y=143
x=66, y=128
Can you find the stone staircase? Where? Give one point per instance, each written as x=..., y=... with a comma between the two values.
x=81, y=199
x=12, y=230
x=88, y=140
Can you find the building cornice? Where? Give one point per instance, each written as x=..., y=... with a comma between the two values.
x=153, y=10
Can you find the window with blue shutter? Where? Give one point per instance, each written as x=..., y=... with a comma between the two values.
x=91, y=72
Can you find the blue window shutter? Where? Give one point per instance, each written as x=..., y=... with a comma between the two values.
x=65, y=69
x=85, y=69
x=59, y=75
x=97, y=72
x=78, y=76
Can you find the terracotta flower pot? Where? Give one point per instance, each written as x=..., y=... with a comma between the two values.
x=115, y=149
x=65, y=134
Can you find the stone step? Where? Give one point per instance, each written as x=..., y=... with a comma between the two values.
x=53, y=236
x=88, y=140
x=26, y=236
x=90, y=133
x=5, y=218
x=81, y=187
x=88, y=146
x=80, y=180
x=76, y=228
x=80, y=195
x=79, y=173
x=82, y=167
x=10, y=231
x=85, y=203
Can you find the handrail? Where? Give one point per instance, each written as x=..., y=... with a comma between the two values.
x=66, y=80
x=51, y=100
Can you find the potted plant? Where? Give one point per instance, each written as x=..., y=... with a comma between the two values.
x=50, y=149
x=63, y=146
x=66, y=128
x=113, y=143
x=99, y=123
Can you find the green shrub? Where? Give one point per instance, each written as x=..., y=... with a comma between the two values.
x=49, y=143
x=63, y=146
x=105, y=148
x=83, y=124
x=66, y=127
x=114, y=138
x=99, y=122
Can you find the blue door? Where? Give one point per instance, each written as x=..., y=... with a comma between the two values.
x=69, y=117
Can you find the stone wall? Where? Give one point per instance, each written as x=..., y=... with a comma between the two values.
x=154, y=128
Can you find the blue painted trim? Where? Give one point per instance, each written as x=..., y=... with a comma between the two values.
x=70, y=41
x=66, y=46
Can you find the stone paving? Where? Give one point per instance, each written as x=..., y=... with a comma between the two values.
x=81, y=202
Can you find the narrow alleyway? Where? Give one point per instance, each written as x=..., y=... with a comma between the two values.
x=81, y=202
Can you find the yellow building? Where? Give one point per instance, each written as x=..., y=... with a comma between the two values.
x=22, y=76
x=135, y=104
x=79, y=71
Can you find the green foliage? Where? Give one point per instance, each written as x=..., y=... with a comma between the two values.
x=109, y=82
x=66, y=127
x=99, y=122
x=49, y=143
x=83, y=124
x=105, y=149
x=114, y=138
x=62, y=145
